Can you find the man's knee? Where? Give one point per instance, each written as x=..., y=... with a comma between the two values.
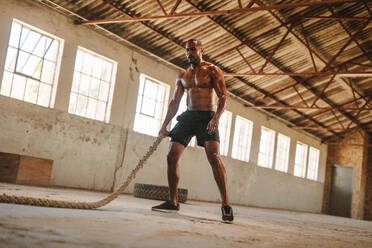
x=214, y=158
x=172, y=158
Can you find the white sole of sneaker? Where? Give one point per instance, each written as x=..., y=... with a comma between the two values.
x=165, y=211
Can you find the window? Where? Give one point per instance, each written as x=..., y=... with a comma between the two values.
x=224, y=128
x=300, y=160
x=182, y=108
x=151, y=102
x=265, y=155
x=92, y=86
x=31, y=65
x=312, y=170
x=242, y=139
x=282, y=153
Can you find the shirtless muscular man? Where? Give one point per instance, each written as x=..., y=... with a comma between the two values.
x=202, y=81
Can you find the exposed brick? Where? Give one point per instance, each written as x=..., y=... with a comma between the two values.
x=368, y=194
x=353, y=156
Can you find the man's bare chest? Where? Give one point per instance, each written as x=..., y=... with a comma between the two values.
x=197, y=79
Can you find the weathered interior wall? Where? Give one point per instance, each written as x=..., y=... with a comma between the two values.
x=248, y=183
x=352, y=155
x=368, y=190
x=84, y=151
x=88, y=154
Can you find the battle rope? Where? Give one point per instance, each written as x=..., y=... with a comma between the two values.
x=82, y=205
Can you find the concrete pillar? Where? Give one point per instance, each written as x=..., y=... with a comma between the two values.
x=66, y=74
x=231, y=138
x=5, y=27
x=274, y=150
x=255, y=145
x=292, y=155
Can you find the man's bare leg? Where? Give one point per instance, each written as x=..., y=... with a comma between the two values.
x=212, y=149
x=174, y=153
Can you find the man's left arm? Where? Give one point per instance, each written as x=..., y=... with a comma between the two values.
x=219, y=86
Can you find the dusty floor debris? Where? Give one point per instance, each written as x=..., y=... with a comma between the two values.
x=129, y=222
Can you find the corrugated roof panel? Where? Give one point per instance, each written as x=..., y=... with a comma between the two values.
x=259, y=30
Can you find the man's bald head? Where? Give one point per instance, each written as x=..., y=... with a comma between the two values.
x=194, y=51
x=198, y=42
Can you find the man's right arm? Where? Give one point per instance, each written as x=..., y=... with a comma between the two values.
x=173, y=106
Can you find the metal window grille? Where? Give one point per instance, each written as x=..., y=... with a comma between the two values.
x=151, y=103
x=242, y=139
x=31, y=65
x=92, y=86
x=265, y=155
x=282, y=153
x=313, y=165
x=224, y=128
x=300, y=160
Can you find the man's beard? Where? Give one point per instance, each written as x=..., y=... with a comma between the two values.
x=194, y=61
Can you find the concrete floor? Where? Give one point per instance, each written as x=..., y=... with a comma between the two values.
x=129, y=222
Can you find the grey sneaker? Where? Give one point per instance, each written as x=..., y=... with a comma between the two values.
x=227, y=213
x=166, y=206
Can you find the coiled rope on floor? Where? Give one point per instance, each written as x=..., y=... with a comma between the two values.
x=83, y=205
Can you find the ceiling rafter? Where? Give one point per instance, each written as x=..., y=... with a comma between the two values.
x=335, y=18
x=325, y=70
x=329, y=73
x=180, y=44
x=310, y=107
x=327, y=66
x=213, y=13
x=262, y=55
x=349, y=33
x=303, y=81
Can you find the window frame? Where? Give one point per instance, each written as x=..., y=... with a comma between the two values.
x=279, y=152
x=164, y=107
x=246, y=155
x=309, y=164
x=303, y=167
x=225, y=145
x=270, y=155
x=57, y=63
x=111, y=82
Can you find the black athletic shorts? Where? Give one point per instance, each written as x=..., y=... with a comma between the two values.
x=193, y=123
